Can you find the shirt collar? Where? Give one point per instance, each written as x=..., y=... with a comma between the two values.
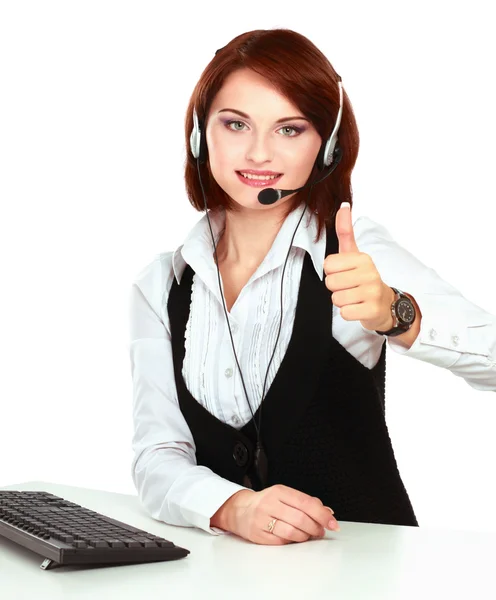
x=197, y=247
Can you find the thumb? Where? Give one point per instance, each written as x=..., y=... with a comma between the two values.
x=344, y=229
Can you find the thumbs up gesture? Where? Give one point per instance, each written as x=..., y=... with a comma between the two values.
x=352, y=276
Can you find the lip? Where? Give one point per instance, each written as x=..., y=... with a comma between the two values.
x=258, y=183
x=255, y=172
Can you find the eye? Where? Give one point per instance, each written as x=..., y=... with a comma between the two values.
x=296, y=130
x=228, y=123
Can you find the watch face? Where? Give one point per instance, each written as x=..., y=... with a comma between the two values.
x=405, y=311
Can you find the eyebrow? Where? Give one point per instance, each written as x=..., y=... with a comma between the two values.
x=244, y=115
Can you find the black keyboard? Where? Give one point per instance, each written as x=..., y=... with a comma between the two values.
x=65, y=533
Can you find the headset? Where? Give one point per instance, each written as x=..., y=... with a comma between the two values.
x=329, y=155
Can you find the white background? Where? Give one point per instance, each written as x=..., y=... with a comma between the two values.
x=92, y=106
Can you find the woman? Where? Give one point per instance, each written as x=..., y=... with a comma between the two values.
x=280, y=298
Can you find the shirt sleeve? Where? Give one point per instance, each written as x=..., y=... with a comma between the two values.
x=455, y=334
x=170, y=484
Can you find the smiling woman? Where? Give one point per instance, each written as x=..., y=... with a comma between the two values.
x=267, y=100
x=261, y=139
x=218, y=321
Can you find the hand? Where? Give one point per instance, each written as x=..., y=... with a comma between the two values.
x=357, y=287
x=299, y=516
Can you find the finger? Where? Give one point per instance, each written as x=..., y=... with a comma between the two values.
x=269, y=539
x=288, y=532
x=338, y=263
x=343, y=281
x=310, y=505
x=300, y=520
x=344, y=229
x=346, y=298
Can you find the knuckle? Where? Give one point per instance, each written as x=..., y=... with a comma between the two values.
x=265, y=500
x=303, y=501
x=299, y=536
x=301, y=520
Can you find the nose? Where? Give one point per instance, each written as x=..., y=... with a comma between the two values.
x=259, y=150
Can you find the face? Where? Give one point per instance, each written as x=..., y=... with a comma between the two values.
x=262, y=139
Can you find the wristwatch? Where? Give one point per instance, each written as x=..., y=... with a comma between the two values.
x=403, y=312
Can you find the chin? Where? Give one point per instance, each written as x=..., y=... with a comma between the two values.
x=249, y=203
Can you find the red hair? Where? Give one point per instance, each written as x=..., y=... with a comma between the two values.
x=300, y=72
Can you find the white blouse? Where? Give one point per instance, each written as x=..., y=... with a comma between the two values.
x=455, y=334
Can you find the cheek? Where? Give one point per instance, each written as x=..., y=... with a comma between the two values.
x=222, y=158
x=303, y=157
x=222, y=149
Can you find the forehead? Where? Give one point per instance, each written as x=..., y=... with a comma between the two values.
x=250, y=92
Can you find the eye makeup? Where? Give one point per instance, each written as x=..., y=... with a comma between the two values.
x=227, y=123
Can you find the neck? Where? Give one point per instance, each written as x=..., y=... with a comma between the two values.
x=248, y=236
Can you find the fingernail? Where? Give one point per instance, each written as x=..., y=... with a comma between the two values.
x=334, y=525
x=345, y=205
x=330, y=509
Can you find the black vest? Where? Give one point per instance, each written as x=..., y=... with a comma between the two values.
x=323, y=422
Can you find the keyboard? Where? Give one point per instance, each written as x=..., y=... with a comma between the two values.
x=65, y=533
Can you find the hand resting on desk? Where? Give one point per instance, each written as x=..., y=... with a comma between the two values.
x=299, y=516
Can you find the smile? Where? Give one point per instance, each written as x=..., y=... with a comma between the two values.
x=258, y=181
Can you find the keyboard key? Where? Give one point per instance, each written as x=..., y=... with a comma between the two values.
x=67, y=539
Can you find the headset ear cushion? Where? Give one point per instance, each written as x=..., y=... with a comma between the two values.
x=320, y=156
x=203, y=144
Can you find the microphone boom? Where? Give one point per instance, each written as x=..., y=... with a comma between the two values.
x=271, y=195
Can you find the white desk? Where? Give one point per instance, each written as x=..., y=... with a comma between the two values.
x=360, y=562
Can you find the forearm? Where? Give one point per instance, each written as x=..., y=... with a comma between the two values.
x=176, y=491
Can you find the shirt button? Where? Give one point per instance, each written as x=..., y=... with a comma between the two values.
x=228, y=372
x=234, y=329
x=455, y=339
x=236, y=420
x=432, y=333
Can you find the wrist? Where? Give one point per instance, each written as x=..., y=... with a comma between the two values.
x=388, y=321
x=225, y=517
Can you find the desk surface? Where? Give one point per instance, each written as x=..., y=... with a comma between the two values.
x=360, y=562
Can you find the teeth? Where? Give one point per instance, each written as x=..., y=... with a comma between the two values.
x=261, y=177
